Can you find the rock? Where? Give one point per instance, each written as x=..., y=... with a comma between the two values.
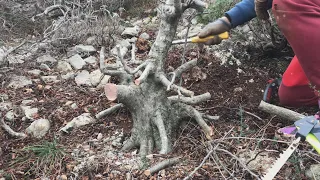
x=35, y=72
x=131, y=31
x=27, y=101
x=154, y=20
x=83, y=78
x=5, y=106
x=194, y=21
x=46, y=58
x=14, y=60
x=3, y=97
x=91, y=40
x=123, y=51
x=251, y=81
x=238, y=89
x=133, y=40
x=10, y=116
x=49, y=79
x=313, y=172
x=245, y=28
x=146, y=20
x=124, y=43
x=38, y=128
x=99, y=137
x=79, y=121
x=44, y=67
x=104, y=81
x=62, y=177
x=144, y=36
x=91, y=60
x=63, y=66
x=76, y=61
x=95, y=77
x=111, y=155
x=19, y=82
x=85, y=48
x=74, y=106
x=69, y=75
x=29, y=112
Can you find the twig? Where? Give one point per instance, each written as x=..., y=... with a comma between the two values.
x=280, y=111
x=184, y=67
x=162, y=165
x=243, y=165
x=200, y=165
x=247, y=138
x=163, y=79
x=9, y=130
x=149, y=68
x=211, y=118
x=109, y=110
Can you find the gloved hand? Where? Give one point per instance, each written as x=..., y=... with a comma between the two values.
x=217, y=27
x=261, y=8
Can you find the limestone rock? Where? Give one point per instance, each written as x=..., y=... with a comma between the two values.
x=49, y=79
x=95, y=77
x=145, y=36
x=131, y=31
x=39, y=128
x=5, y=106
x=124, y=43
x=76, y=61
x=46, y=58
x=123, y=51
x=85, y=48
x=79, y=121
x=83, y=78
x=19, y=82
x=29, y=112
x=69, y=75
x=44, y=67
x=35, y=72
x=104, y=81
x=64, y=66
x=91, y=60
x=10, y=116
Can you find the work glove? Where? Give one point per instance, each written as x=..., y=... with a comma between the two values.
x=261, y=8
x=217, y=27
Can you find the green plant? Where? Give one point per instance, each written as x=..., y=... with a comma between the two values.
x=216, y=10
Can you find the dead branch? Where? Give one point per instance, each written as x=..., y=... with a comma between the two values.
x=163, y=79
x=11, y=50
x=280, y=111
x=191, y=100
x=149, y=68
x=236, y=158
x=109, y=111
x=124, y=64
x=185, y=67
x=162, y=165
x=9, y=130
x=210, y=118
x=102, y=57
x=200, y=165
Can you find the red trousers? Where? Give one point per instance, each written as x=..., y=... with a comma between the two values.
x=299, y=21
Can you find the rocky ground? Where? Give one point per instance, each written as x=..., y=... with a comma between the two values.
x=53, y=98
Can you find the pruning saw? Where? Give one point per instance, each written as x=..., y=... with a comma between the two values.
x=305, y=129
x=196, y=39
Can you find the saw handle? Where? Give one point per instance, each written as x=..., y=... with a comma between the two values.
x=314, y=142
x=196, y=39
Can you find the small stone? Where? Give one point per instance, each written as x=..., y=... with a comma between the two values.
x=39, y=128
x=91, y=60
x=83, y=78
x=111, y=155
x=86, y=147
x=245, y=28
x=3, y=97
x=29, y=112
x=68, y=103
x=251, y=81
x=19, y=82
x=85, y=48
x=15, y=60
x=5, y=106
x=49, y=79
x=10, y=116
x=99, y=137
x=76, y=61
x=63, y=66
x=104, y=81
x=44, y=67
x=194, y=21
x=69, y=75
x=238, y=89
x=91, y=40
x=79, y=121
x=124, y=43
x=27, y=101
x=35, y=72
x=46, y=58
x=74, y=106
x=133, y=40
x=95, y=77
x=131, y=31
x=62, y=177
x=145, y=36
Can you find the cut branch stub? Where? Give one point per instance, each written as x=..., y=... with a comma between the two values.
x=111, y=91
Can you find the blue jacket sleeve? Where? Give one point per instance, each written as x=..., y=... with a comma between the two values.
x=243, y=12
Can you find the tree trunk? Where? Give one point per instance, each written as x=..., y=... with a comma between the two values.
x=156, y=116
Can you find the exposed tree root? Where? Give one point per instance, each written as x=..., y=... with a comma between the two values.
x=191, y=100
x=162, y=165
x=108, y=111
x=9, y=130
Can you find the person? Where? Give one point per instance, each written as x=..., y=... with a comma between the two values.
x=299, y=21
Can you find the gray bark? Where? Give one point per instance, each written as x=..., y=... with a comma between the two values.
x=155, y=116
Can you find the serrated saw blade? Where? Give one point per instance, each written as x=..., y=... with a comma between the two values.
x=273, y=171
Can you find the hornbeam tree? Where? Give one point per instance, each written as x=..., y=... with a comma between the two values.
x=144, y=90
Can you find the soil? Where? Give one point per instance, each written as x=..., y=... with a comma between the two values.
x=235, y=97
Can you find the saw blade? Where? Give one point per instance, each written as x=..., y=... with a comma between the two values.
x=272, y=172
